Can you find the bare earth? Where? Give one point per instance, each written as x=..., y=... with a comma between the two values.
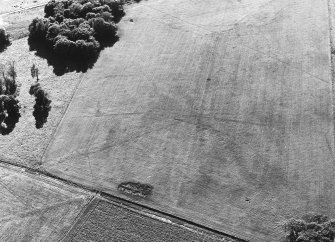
x=225, y=107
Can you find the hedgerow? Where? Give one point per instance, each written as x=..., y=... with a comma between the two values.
x=77, y=28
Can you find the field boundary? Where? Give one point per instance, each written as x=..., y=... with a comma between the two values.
x=52, y=136
x=331, y=12
x=23, y=9
x=117, y=200
x=79, y=216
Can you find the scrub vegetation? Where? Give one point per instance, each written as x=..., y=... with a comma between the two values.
x=311, y=228
x=136, y=189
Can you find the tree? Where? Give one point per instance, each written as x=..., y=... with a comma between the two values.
x=38, y=28
x=9, y=113
x=9, y=80
x=103, y=30
x=4, y=38
x=42, y=104
x=312, y=227
x=34, y=72
x=76, y=29
x=9, y=105
x=11, y=71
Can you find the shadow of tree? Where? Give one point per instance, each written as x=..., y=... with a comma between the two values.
x=4, y=47
x=61, y=65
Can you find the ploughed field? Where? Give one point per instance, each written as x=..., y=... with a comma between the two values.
x=106, y=221
x=224, y=107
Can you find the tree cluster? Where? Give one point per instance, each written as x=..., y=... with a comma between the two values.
x=311, y=228
x=77, y=28
x=42, y=104
x=4, y=38
x=9, y=105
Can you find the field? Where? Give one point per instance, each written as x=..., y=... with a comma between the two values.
x=26, y=144
x=105, y=221
x=35, y=208
x=225, y=107
x=14, y=5
x=17, y=23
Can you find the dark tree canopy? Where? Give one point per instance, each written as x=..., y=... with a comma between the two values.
x=76, y=29
x=9, y=105
x=311, y=228
x=42, y=105
x=4, y=39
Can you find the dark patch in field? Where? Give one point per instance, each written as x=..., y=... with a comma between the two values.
x=136, y=189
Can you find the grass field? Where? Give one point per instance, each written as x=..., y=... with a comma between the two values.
x=14, y=5
x=35, y=208
x=26, y=144
x=225, y=107
x=17, y=23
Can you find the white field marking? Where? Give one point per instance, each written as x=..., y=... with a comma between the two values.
x=165, y=220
